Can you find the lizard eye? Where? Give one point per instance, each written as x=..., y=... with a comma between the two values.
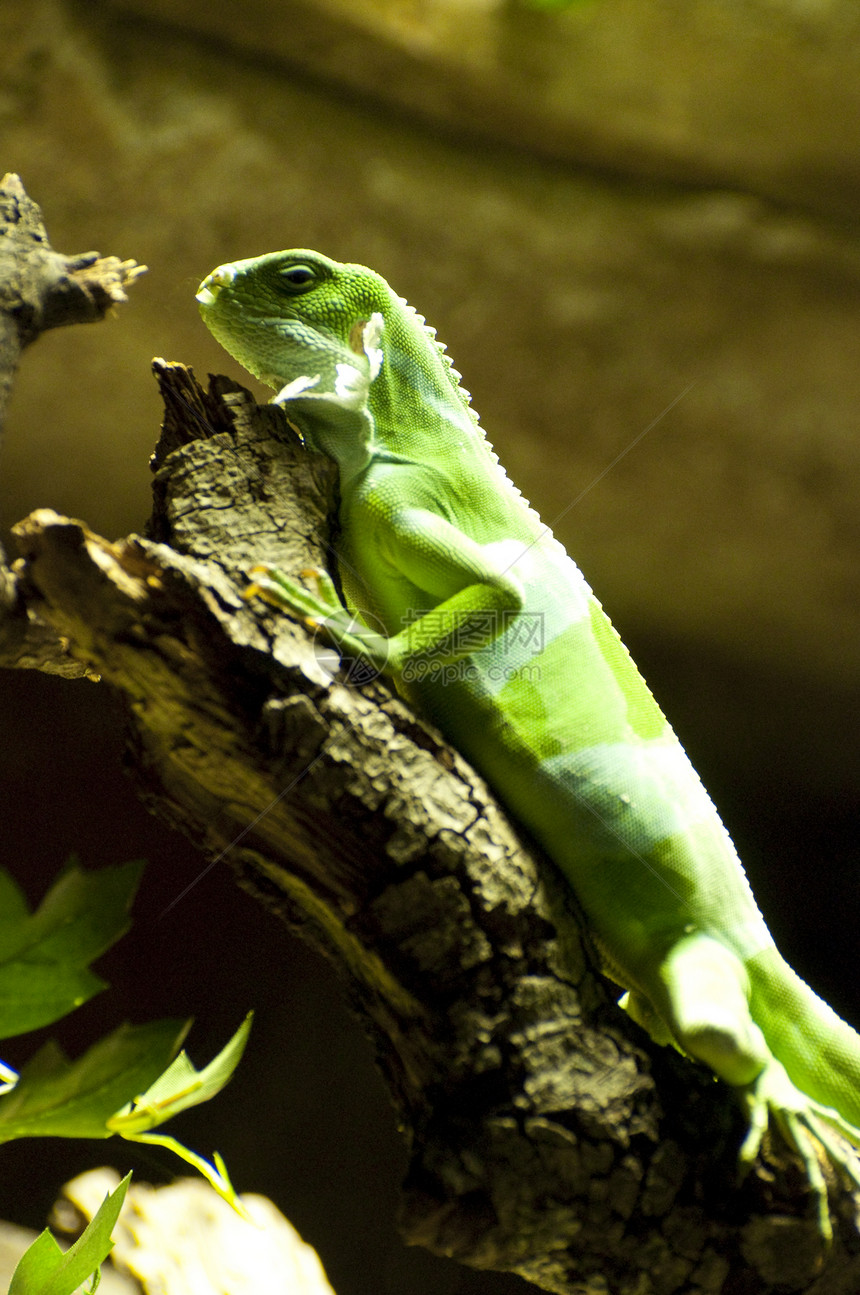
x=297, y=278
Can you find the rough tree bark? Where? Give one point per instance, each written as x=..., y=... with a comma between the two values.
x=547, y=1137
x=42, y=289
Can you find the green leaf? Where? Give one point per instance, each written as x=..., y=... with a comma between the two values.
x=178, y=1088
x=181, y=1086
x=55, y=1097
x=44, y=1269
x=44, y=956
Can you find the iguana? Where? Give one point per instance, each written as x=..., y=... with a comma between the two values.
x=483, y=621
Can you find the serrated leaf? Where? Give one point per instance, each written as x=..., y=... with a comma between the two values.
x=81, y=915
x=181, y=1086
x=44, y=956
x=44, y=1269
x=55, y=1097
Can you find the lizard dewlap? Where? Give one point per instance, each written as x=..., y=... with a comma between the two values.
x=492, y=631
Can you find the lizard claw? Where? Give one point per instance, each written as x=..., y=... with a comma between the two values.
x=806, y=1126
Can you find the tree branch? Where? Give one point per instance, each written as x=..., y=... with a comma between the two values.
x=42, y=289
x=538, y=1141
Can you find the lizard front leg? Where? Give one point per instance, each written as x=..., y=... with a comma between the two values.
x=471, y=595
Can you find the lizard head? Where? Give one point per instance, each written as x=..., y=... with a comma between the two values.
x=270, y=312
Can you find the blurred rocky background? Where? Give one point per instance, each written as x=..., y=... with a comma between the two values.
x=634, y=222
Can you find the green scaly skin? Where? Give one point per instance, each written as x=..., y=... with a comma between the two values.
x=488, y=627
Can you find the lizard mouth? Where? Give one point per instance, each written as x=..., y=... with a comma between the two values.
x=213, y=283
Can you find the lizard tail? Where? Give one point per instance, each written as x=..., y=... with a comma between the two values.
x=820, y=1052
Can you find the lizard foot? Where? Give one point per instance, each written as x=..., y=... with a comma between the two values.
x=807, y=1126
x=321, y=609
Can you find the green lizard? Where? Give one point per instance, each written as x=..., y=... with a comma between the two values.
x=489, y=627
